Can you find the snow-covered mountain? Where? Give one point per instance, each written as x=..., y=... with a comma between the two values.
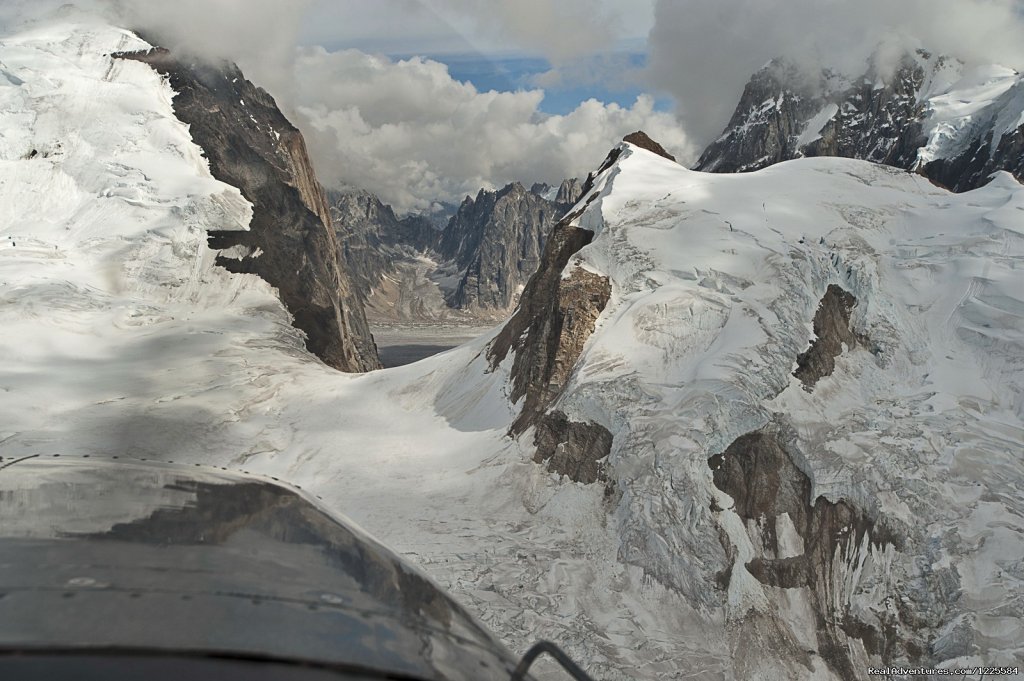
x=803, y=384
x=810, y=376
x=929, y=113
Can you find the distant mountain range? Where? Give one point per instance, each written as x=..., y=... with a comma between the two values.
x=481, y=259
x=927, y=113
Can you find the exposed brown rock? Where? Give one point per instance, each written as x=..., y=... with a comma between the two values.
x=251, y=145
x=640, y=139
x=547, y=332
x=549, y=328
x=756, y=470
x=832, y=328
x=572, y=448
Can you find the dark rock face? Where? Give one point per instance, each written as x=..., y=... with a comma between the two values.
x=757, y=471
x=972, y=168
x=572, y=448
x=878, y=124
x=640, y=139
x=549, y=328
x=878, y=117
x=569, y=192
x=373, y=239
x=553, y=321
x=251, y=145
x=766, y=124
x=832, y=331
x=495, y=241
x=547, y=333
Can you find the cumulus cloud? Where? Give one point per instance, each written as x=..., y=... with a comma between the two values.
x=405, y=129
x=703, y=51
x=410, y=133
x=583, y=40
x=259, y=35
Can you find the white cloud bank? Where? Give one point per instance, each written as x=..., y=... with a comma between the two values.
x=704, y=51
x=406, y=130
x=410, y=133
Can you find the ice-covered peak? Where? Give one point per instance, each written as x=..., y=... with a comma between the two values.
x=817, y=319
x=911, y=109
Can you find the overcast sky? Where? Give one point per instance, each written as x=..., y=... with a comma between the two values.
x=424, y=100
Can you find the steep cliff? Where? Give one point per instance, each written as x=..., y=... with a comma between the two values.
x=290, y=242
x=928, y=113
x=546, y=335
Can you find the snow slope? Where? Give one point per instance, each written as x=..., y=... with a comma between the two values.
x=715, y=280
x=985, y=100
x=120, y=336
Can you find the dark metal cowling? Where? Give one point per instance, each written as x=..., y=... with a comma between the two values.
x=109, y=560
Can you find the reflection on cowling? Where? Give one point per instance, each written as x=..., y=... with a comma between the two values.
x=269, y=513
x=172, y=557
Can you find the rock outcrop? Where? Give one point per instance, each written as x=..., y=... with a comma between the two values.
x=572, y=448
x=898, y=116
x=556, y=315
x=773, y=496
x=494, y=243
x=291, y=242
x=640, y=139
x=569, y=192
x=832, y=332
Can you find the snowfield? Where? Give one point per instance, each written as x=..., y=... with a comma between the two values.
x=984, y=99
x=120, y=336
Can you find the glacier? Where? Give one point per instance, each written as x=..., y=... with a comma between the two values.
x=121, y=337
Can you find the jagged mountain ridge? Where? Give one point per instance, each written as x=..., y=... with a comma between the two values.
x=480, y=261
x=928, y=113
x=495, y=240
x=373, y=239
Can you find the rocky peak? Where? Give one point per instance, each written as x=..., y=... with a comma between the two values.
x=902, y=114
x=640, y=139
x=877, y=119
x=373, y=239
x=251, y=145
x=767, y=122
x=569, y=192
x=514, y=188
x=495, y=242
